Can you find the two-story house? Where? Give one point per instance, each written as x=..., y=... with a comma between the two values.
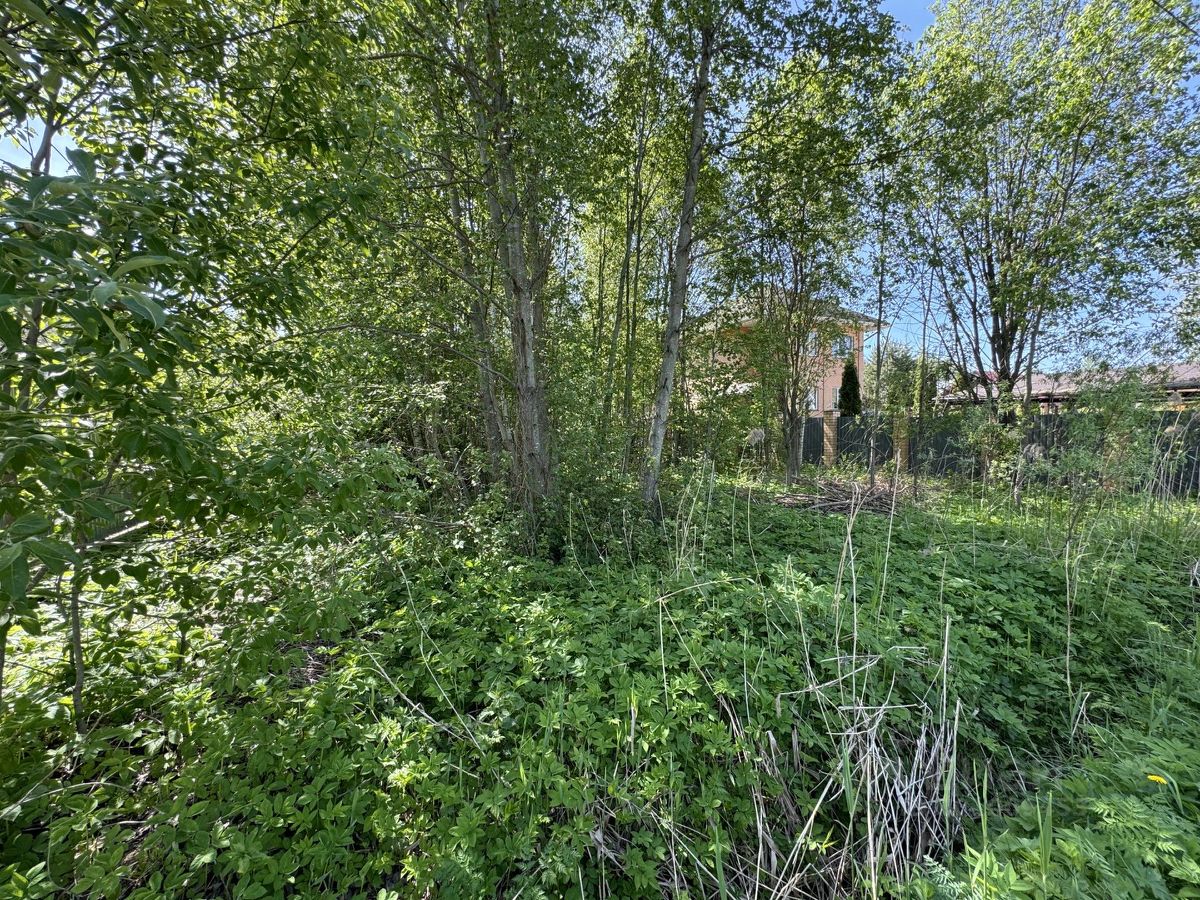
x=850, y=330
x=826, y=394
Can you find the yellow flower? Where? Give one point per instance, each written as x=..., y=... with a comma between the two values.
x=1157, y=779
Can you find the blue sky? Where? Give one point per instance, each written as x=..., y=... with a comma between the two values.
x=17, y=150
x=914, y=17
x=914, y=14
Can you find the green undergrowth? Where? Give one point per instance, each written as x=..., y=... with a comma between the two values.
x=962, y=701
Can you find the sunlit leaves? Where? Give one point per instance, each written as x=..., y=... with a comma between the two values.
x=1053, y=191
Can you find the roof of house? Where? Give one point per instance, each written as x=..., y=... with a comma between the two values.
x=1170, y=377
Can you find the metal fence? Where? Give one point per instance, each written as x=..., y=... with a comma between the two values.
x=939, y=446
x=854, y=438
x=814, y=441
x=1178, y=445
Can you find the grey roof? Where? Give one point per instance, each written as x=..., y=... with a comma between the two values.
x=1169, y=376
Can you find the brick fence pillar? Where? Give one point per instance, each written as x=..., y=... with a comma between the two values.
x=900, y=442
x=830, y=429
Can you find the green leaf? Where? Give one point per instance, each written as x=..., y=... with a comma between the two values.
x=57, y=555
x=35, y=187
x=78, y=23
x=33, y=11
x=9, y=554
x=11, y=812
x=28, y=524
x=10, y=52
x=83, y=163
x=10, y=330
x=87, y=319
x=138, y=572
x=122, y=341
x=51, y=81
x=143, y=262
x=143, y=306
x=14, y=577
x=98, y=509
x=105, y=291
x=106, y=577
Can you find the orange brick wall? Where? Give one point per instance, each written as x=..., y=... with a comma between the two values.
x=826, y=388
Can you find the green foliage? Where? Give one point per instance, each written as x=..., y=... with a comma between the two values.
x=386, y=698
x=1121, y=824
x=995, y=440
x=297, y=297
x=900, y=390
x=1113, y=438
x=1070, y=250
x=140, y=288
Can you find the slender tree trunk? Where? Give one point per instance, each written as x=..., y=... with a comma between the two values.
x=614, y=342
x=494, y=428
x=793, y=440
x=631, y=317
x=633, y=218
x=533, y=444
x=3, y=656
x=601, y=266
x=1028, y=400
x=922, y=376
x=509, y=222
x=679, y=277
x=1018, y=486
x=497, y=434
x=872, y=464
x=77, y=654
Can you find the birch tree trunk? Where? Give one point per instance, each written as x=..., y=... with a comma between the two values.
x=495, y=428
x=533, y=447
x=633, y=220
x=679, y=277
x=512, y=227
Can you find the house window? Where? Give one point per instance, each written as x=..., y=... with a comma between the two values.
x=843, y=345
x=837, y=398
x=814, y=400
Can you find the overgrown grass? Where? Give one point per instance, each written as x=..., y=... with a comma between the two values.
x=961, y=699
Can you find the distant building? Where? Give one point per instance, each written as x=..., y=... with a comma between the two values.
x=825, y=394
x=1177, y=384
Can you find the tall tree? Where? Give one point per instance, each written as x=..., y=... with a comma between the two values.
x=499, y=66
x=704, y=48
x=726, y=48
x=799, y=185
x=496, y=161
x=620, y=222
x=1053, y=188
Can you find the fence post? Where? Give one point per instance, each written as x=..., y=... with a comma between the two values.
x=831, y=437
x=900, y=442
